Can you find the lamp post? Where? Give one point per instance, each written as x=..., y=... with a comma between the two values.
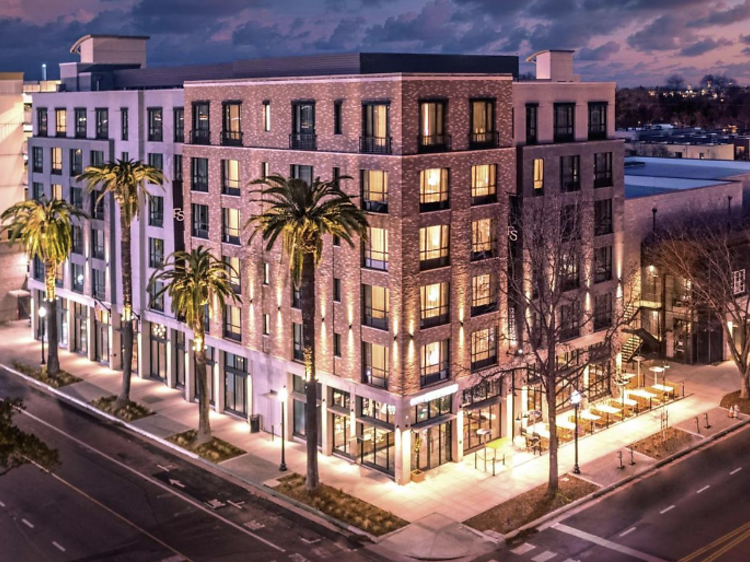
x=42, y=313
x=282, y=396
x=575, y=399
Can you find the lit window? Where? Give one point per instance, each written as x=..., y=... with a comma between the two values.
x=538, y=176
x=483, y=184
x=433, y=189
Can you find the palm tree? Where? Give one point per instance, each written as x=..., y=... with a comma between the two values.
x=44, y=229
x=194, y=281
x=126, y=181
x=302, y=214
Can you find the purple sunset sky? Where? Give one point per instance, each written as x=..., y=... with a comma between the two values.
x=631, y=41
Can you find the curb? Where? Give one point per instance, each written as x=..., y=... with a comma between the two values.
x=607, y=489
x=281, y=498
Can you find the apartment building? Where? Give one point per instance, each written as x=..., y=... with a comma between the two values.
x=415, y=363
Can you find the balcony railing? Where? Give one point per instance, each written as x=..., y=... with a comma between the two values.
x=379, y=322
x=81, y=133
x=200, y=136
x=490, y=139
x=179, y=135
x=434, y=143
x=442, y=317
x=231, y=138
x=484, y=199
x=375, y=377
x=482, y=363
x=434, y=374
x=303, y=141
x=375, y=145
x=603, y=179
x=598, y=134
x=155, y=134
x=483, y=254
x=375, y=206
x=434, y=263
x=61, y=133
x=480, y=309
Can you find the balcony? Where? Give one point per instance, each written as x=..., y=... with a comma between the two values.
x=596, y=134
x=434, y=263
x=480, y=309
x=231, y=138
x=303, y=141
x=490, y=139
x=379, y=322
x=375, y=377
x=200, y=136
x=442, y=317
x=375, y=145
x=374, y=206
x=483, y=363
x=434, y=143
x=61, y=133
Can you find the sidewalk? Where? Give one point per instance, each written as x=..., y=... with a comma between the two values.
x=453, y=492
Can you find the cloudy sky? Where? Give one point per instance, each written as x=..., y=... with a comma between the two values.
x=631, y=41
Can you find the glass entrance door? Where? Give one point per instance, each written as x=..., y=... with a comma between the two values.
x=101, y=338
x=434, y=446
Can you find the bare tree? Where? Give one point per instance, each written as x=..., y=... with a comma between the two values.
x=711, y=254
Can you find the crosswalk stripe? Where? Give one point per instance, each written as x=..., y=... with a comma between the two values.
x=523, y=549
x=544, y=556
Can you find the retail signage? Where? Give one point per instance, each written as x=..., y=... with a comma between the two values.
x=432, y=395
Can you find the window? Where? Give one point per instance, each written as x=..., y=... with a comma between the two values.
x=266, y=324
x=125, y=156
x=302, y=172
x=483, y=293
x=376, y=132
x=155, y=252
x=76, y=161
x=482, y=133
x=231, y=122
x=338, y=117
x=434, y=307
x=532, y=135
x=102, y=123
x=435, y=362
x=483, y=184
x=570, y=318
x=37, y=158
x=178, y=113
x=97, y=244
x=77, y=240
x=125, y=118
x=303, y=126
x=374, y=191
x=57, y=191
x=432, y=121
x=569, y=270
x=230, y=177
x=597, y=121
x=483, y=239
x=266, y=273
x=81, y=122
x=738, y=282
x=376, y=249
x=41, y=122
x=375, y=307
x=155, y=124
x=201, y=133
x=603, y=311
x=200, y=220
x=483, y=348
x=61, y=122
x=602, y=264
x=297, y=342
x=98, y=284
x=199, y=174
x=433, y=246
x=265, y=170
x=37, y=191
x=177, y=167
x=96, y=200
x=97, y=157
x=336, y=289
x=156, y=160
x=538, y=180
x=296, y=297
x=77, y=277
x=266, y=116
x=56, y=158
x=570, y=173
x=156, y=296
x=336, y=345
x=230, y=226
x=603, y=217
x=233, y=268
x=156, y=210
x=375, y=364
x=603, y=169
x=433, y=189
x=232, y=322
x=564, y=122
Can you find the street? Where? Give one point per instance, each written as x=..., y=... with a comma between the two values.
x=692, y=511
x=116, y=497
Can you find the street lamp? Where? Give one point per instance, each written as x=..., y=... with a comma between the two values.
x=42, y=313
x=282, y=396
x=575, y=399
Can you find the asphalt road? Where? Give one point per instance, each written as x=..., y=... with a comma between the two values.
x=119, y=498
x=695, y=510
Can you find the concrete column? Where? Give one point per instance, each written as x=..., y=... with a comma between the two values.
x=403, y=444
x=171, y=375
x=34, y=316
x=458, y=441
x=249, y=396
x=115, y=341
x=326, y=427
x=219, y=383
x=144, y=369
x=91, y=344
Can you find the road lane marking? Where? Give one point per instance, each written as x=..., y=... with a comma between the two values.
x=731, y=534
x=703, y=489
x=729, y=546
x=58, y=546
x=627, y=532
x=523, y=549
x=670, y=508
x=544, y=556
x=27, y=523
x=150, y=480
x=606, y=543
x=2, y=504
x=735, y=471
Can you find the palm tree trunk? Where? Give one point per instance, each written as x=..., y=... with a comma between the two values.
x=201, y=379
x=307, y=303
x=50, y=296
x=127, y=312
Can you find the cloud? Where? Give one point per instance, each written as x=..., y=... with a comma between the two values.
x=704, y=46
x=662, y=34
x=343, y=37
x=602, y=52
x=738, y=13
x=185, y=17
